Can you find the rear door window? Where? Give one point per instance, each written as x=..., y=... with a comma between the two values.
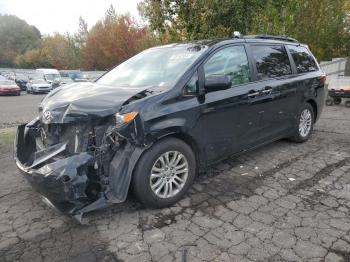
x=303, y=60
x=271, y=61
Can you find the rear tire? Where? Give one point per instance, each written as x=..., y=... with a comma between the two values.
x=164, y=173
x=304, y=124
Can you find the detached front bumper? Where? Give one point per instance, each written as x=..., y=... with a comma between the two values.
x=61, y=179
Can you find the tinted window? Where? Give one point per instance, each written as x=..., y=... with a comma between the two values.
x=302, y=59
x=231, y=61
x=271, y=61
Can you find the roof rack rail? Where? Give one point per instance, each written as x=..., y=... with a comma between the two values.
x=273, y=37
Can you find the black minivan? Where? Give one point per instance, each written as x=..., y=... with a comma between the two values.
x=155, y=121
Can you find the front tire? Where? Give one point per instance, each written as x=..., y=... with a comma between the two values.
x=164, y=173
x=304, y=124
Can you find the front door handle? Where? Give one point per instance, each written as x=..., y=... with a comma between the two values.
x=267, y=90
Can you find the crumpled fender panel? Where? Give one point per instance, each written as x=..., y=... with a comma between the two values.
x=120, y=172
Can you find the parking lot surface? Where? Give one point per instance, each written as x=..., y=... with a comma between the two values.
x=282, y=202
x=18, y=109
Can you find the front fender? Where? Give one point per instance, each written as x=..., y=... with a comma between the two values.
x=120, y=172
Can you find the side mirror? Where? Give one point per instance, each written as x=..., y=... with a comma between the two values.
x=216, y=83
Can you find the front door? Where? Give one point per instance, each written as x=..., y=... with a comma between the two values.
x=227, y=115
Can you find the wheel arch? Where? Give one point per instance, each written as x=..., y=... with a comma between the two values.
x=314, y=107
x=189, y=140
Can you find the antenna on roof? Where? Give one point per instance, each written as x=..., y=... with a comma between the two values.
x=236, y=34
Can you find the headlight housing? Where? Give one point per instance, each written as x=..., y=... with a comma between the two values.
x=122, y=119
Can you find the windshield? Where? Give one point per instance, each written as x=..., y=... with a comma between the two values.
x=161, y=67
x=52, y=77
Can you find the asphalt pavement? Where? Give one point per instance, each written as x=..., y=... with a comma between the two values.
x=282, y=202
x=15, y=110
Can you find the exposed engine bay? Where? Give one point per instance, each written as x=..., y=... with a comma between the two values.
x=76, y=163
x=78, y=156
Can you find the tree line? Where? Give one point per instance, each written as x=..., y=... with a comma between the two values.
x=110, y=41
x=323, y=24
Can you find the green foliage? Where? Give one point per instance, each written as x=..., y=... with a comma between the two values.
x=323, y=24
x=16, y=37
x=57, y=51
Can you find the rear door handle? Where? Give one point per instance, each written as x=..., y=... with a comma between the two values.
x=253, y=94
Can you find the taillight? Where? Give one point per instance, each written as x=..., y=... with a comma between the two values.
x=323, y=79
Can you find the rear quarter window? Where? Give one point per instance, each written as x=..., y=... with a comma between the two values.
x=271, y=61
x=303, y=60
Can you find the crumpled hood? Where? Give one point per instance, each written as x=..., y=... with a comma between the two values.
x=76, y=101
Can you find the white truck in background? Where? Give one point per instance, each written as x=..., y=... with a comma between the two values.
x=52, y=76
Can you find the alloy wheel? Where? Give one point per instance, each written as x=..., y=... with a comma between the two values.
x=169, y=174
x=305, y=122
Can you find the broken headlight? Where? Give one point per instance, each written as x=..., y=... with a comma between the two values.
x=122, y=119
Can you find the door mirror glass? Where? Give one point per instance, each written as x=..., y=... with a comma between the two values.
x=217, y=82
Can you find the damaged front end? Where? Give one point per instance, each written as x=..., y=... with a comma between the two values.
x=78, y=166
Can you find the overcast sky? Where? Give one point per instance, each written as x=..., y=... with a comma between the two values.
x=62, y=16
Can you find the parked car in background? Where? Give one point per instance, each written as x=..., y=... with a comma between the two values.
x=72, y=74
x=9, y=75
x=38, y=85
x=51, y=76
x=156, y=120
x=21, y=80
x=75, y=75
x=9, y=87
x=66, y=80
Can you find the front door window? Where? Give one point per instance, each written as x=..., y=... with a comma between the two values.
x=231, y=61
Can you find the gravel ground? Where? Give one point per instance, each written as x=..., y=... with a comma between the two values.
x=283, y=202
